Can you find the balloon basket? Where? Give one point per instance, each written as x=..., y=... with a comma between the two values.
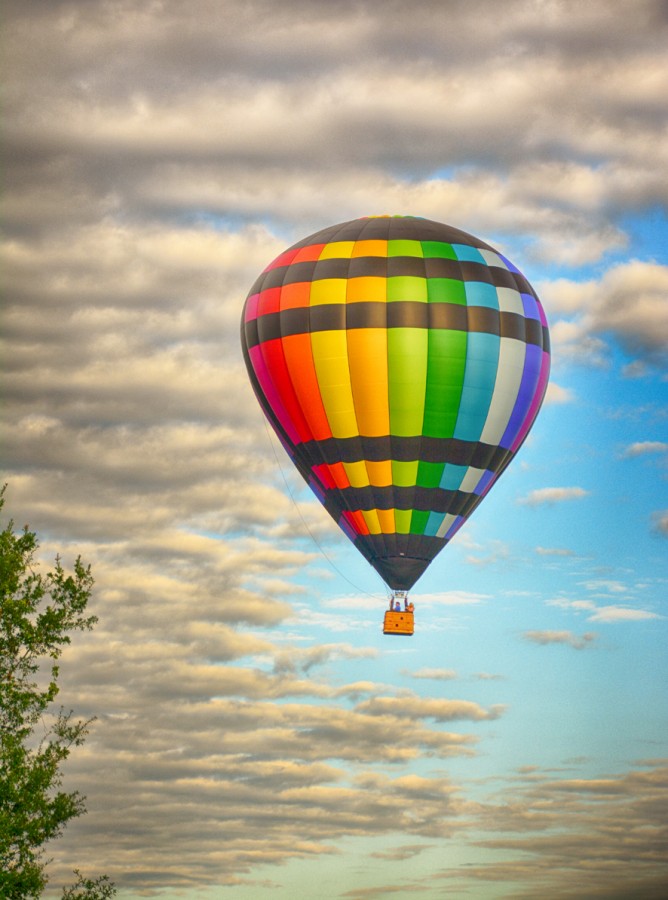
x=398, y=623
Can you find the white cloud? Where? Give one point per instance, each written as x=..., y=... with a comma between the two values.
x=621, y=614
x=449, y=598
x=552, y=495
x=498, y=551
x=557, y=395
x=609, y=613
x=605, y=586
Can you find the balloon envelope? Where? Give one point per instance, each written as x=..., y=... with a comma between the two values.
x=402, y=363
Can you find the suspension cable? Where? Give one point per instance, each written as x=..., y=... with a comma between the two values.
x=304, y=522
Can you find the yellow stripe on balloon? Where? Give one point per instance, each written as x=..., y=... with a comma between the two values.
x=330, y=356
x=328, y=290
x=367, y=359
x=372, y=522
x=357, y=473
x=337, y=250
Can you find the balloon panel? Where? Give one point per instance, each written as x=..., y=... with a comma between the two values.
x=402, y=363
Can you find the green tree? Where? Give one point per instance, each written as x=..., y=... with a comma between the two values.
x=38, y=612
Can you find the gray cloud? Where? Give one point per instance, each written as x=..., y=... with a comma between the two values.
x=565, y=828
x=630, y=302
x=173, y=113
x=577, y=642
x=660, y=520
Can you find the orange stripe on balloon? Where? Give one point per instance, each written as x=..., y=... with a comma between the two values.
x=339, y=475
x=296, y=295
x=299, y=361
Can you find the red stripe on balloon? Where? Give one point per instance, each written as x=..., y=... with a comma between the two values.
x=271, y=393
x=283, y=260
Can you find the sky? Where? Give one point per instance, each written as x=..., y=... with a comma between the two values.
x=256, y=734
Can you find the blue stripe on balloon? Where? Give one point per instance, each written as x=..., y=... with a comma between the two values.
x=466, y=253
x=482, y=359
x=484, y=482
x=480, y=294
x=433, y=523
x=452, y=476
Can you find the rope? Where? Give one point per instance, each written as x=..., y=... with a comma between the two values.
x=305, y=524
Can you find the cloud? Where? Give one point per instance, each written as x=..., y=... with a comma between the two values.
x=157, y=156
x=434, y=674
x=660, y=522
x=586, y=837
x=553, y=495
x=499, y=550
x=630, y=302
x=554, y=551
x=621, y=614
x=578, y=642
x=604, y=586
x=636, y=369
x=293, y=659
x=406, y=851
x=609, y=613
x=449, y=598
x=557, y=395
x=438, y=709
x=180, y=115
x=643, y=448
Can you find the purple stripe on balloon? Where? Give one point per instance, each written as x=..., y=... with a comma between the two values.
x=536, y=402
x=454, y=528
x=289, y=448
x=530, y=306
x=525, y=395
x=490, y=484
x=511, y=267
x=270, y=392
x=316, y=488
x=482, y=485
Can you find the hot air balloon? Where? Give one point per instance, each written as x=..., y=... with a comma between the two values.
x=401, y=363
